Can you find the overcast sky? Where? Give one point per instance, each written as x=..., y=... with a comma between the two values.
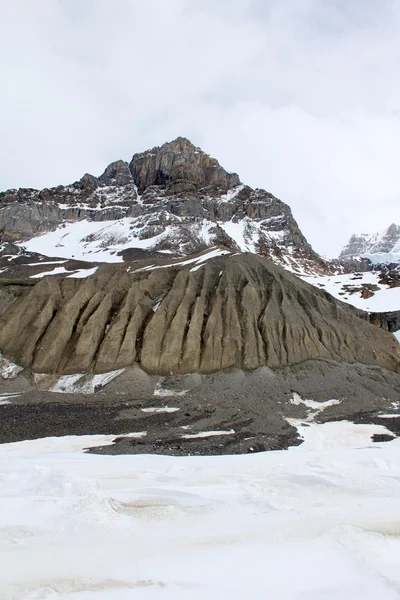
x=300, y=97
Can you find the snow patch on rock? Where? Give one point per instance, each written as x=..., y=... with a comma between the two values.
x=81, y=383
x=8, y=369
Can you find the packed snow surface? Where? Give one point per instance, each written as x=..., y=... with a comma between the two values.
x=310, y=523
x=384, y=299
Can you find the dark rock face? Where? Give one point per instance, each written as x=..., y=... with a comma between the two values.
x=25, y=213
x=175, y=188
x=180, y=166
x=252, y=406
x=390, y=321
x=390, y=277
x=117, y=174
x=234, y=311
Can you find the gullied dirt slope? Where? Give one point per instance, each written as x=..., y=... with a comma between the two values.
x=234, y=311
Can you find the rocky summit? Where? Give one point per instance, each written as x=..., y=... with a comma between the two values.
x=173, y=199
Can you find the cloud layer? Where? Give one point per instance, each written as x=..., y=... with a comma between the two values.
x=300, y=97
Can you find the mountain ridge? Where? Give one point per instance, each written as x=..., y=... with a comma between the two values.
x=174, y=198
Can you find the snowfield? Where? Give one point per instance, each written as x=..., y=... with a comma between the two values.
x=310, y=523
x=384, y=299
x=91, y=240
x=101, y=241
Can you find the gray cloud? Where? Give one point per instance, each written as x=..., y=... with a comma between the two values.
x=300, y=97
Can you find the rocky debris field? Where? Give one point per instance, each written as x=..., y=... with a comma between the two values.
x=233, y=412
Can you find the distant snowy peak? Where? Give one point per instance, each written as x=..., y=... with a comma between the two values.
x=174, y=199
x=379, y=248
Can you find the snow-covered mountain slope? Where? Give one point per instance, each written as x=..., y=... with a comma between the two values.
x=362, y=290
x=374, y=284
x=24, y=264
x=106, y=241
x=173, y=199
x=379, y=248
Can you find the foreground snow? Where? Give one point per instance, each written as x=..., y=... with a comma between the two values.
x=303, y=524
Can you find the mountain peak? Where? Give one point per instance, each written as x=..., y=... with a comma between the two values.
x=183, y=142
x=393, y=229
x=180, y=166
x=174, y=198
x=117, y=173
x=386, y=245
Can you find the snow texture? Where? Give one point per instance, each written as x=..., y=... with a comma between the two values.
x=8, y=369
x=56, y=271
x=231, y=194
x=5, y=398
x=81, y=383
x=212, y=253
x=91, y=240
x=311, y=523
x=160, y=409
x=49, y=262
x=206, y=434
x=337, y=434
x=385, y=299
x=316, y=407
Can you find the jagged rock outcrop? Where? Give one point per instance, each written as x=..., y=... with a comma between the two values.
x=390, y=321
x=177, y=198
x=181, y=167
x=25, y=213
x=231, y=311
